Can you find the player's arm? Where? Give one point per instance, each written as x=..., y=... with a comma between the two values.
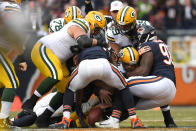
x=145, y=66
x=81, y=37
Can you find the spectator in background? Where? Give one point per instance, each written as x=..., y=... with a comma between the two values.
x=194, y=12
x=144, y=7
x=172, y=14
x=156, y=14
x=187, y=15
x=105, y=8
x=115, y=6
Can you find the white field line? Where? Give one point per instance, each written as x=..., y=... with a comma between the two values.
x=174, y=120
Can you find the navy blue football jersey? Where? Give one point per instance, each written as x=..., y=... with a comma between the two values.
x=162, y=64
x=93, y=53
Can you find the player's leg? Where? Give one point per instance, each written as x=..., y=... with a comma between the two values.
x=154, y=94
x=10, y=81
x=168, y=120
x=154, y=91
x=88, y=70
x=50, y=66
x=57, y=100
x=125, y=97
x=44, y=119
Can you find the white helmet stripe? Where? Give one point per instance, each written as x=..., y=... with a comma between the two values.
x=74, y=12
x=123, y=14
x=131, y=53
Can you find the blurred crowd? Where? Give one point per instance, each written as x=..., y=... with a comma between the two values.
x=163, y=14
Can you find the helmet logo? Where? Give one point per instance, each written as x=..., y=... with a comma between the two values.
x=133, y=14
x=66, y=14
x=97, y=17
x=141, y=30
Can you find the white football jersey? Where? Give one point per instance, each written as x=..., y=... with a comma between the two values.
x=60, y=42
x=56, y=25
x=114, y=35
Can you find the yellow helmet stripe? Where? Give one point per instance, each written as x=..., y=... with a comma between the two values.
x=110, y=38
x=81, y=24
x=123, y=13
x=131, y=52
x=74, y=12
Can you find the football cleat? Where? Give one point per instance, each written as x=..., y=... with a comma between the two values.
x=65, y=123
x=170, y=123
x=136, y=123
x=110, y=123
x=6, y=124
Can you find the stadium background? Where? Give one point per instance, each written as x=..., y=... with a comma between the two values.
x=175, y=21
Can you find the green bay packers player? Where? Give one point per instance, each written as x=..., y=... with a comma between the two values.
x=46, y=106
x=39, y=60
x=51, y=51
x=10, y=12
x=55, y=25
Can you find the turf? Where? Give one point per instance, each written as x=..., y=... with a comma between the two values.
x=185, y=118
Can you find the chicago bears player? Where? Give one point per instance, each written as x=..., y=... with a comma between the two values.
x=156, y=77
x=126, y=20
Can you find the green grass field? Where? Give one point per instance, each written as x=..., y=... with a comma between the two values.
x=185, y=118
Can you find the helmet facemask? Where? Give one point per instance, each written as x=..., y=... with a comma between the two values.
x=146, y=34
x=128, y=29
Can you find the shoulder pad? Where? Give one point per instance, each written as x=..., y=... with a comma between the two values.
x=56, y=25
x=83, y=24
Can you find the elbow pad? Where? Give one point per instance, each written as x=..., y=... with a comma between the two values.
x=84, y=42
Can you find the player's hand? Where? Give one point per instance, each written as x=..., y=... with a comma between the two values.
x=105, y=96
x=101, y=39
x=23, y=66
x=75, y=60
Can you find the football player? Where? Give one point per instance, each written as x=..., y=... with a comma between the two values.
x=130, y=57
x=154, y=79
x=10, y=39
x=72, y=12
x=127, y=23
x=125, y=34
x=43, y=105
x=93, y=65
x=52, y=50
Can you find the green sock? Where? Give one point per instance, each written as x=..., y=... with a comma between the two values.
x=56, y=101
x=8, y=94
x=46, y=85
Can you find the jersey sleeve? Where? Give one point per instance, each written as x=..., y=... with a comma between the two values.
x=144, y=48
x=110, y=35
